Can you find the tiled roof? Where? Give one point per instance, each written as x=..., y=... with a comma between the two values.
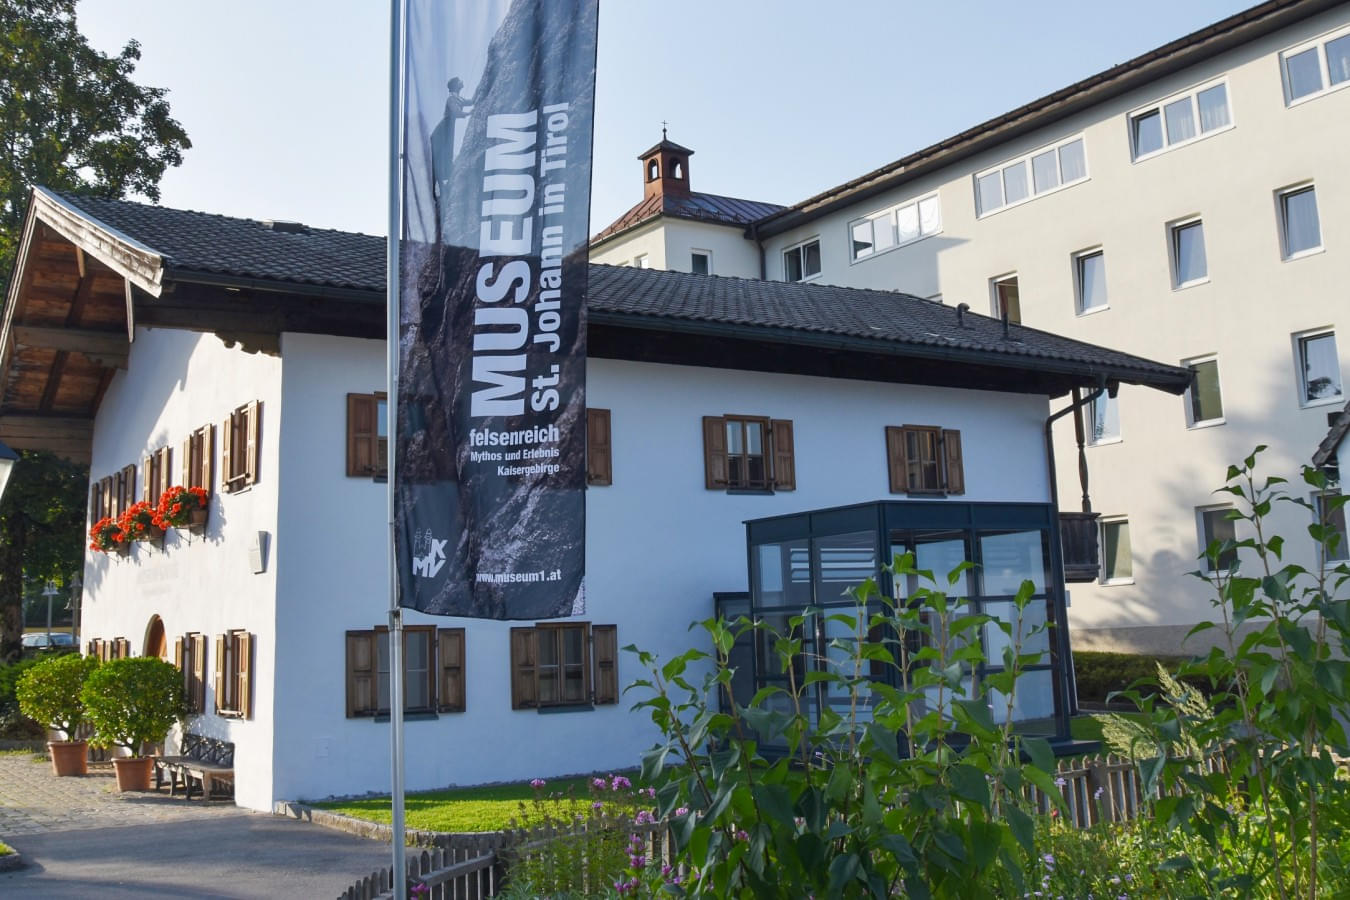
x=244, y=249
x=1340, y=426
x=699, y=207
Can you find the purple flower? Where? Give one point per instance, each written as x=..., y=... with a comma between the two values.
x=682, y=811
x=1049, y=859
x=599, y=783
x=651, y=792
x=419, y=889
x=1097, y=794
x=644, y=817
x=537, y=783
x=742, y=835
x=619, y=782
x=665, y=870
x=1060, y=782
x=597, y=806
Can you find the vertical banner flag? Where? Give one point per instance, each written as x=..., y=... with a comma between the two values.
x=489, y=494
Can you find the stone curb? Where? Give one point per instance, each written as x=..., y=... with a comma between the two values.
x=375, y=831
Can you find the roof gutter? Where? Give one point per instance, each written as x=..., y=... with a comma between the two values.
x=328, y=292
x=1171, y=384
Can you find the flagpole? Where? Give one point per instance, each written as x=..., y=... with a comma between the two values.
x=400, y=867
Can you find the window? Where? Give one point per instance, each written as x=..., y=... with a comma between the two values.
x=1117, y=563
x=1329, y=512
x=189, y=655
x=157, y=472
x=1215, y=526
x=802, y=261
x=1319, y=368
x=895, y=227
x=1316, y=66
x=924, y=459
x=95, y=502
x=114, y=493
x=234, y=674
x=433, y=671
x=748, y=453
x=104, y=650
x=642, y=261
x=700, y=262
x=1005, y=298
x=1090, y=280
x=368, y=435
x=1179, y=119
x=1105, y=420
x=1300, y=231
x=197, y=457
x=240, y=446
x=1188, y=253
x=558, y=664
x=1204, y=400
x=1040, y=172
x=599, y=452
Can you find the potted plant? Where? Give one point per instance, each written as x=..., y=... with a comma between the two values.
x=106, y=536
x=138, y=523
x=183, y=507
x=133, y=702
x=49, y=692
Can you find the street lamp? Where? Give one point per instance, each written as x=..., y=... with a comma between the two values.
x=49, y=592
x=7, y=460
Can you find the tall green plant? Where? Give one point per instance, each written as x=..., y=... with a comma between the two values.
x=846, y=809
x=133, y=702
x=49, y=691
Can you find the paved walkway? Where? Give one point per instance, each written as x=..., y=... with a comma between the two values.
x=82, y=838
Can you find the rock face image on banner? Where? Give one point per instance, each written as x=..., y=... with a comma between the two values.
x=491, y=440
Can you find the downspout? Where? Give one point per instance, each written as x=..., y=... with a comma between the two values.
x=1062, y=634
x=754, y=236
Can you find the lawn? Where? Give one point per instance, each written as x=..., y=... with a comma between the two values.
x=489, y=808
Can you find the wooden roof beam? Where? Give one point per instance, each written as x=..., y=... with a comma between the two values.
x=65, y=436
x=104, y=348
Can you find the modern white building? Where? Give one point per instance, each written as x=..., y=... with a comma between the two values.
x=1191, y=205
x=248, y=358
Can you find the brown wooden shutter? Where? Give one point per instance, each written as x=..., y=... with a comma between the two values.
x=714, y=452
x=147, y=466
x=951, y=449
x=254, y=446
x=360, y=673
x=185, y=462
x=524, y=689
x=106, y=496
x=895, y=459
x=95, y=502
x=226, y=445
x=129, y=486
x=605, y=652
x=123, y=648
x=220, y=670
x=784, y=462
x=451, y=693
x=207, y=459
x=244, y=667
x=178, y=654
x=362, y=437
x=599, y=458
x=199, y=673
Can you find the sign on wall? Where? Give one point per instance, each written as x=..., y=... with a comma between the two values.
x=490, y=449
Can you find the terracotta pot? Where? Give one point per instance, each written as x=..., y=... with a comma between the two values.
x=197, y=521
x=123, y=548
x=133, y=772
x=69, y=757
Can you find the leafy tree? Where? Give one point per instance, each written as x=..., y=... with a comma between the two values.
x=71, y=118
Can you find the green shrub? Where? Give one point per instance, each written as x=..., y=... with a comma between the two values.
x=133, y=702
x=14, y=725
x=1099, y=674
x=49, y=691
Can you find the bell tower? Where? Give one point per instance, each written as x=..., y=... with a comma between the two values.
x=665, y=169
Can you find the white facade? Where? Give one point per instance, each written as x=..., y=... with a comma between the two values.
x=669, y=243
x=659, y=544
x=1256, y=299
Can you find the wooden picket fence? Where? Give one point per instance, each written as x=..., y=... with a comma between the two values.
x=1102, y=788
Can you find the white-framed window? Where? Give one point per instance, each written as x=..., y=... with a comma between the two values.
x=1186, y=246
x=1315, y=67
x=1117, y=560
x=1329, y=512
x=1319, y=367
x=1213, y=524
x=1004, y=298
x=1103, y=420
x=642, y=261
x=700, y=262
x=1204, y=399
x=1300, y=228
x=1089, y=277
x=1180, y=119
x=894, y=227
x=801, y=262
x=1041, y=171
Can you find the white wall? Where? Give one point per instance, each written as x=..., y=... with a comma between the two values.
x=175, y=383
x=648, y=238
x=669, y=243
x=659, y=545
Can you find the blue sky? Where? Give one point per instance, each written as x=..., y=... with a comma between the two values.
x=286, y=100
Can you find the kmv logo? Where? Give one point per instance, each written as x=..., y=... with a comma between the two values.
x=428, y=554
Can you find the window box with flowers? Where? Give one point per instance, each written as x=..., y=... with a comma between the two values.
x=183, y=507
x=106, y=536
x=140, y=523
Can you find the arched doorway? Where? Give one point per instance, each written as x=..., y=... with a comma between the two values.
x=156, y=644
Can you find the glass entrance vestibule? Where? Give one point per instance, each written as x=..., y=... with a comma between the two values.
x=810, y=560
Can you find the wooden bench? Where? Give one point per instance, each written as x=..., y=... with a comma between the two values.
x=205, y=762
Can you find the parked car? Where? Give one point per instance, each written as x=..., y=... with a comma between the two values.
x=40, y=640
